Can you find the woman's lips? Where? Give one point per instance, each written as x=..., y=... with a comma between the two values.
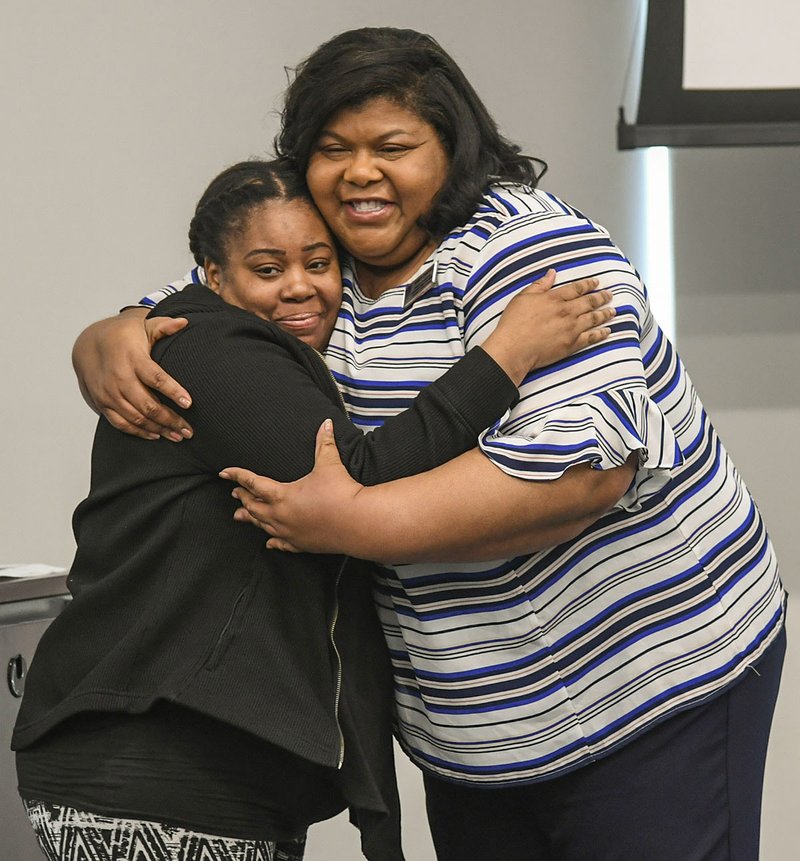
x=365, y=211
x=298, y=322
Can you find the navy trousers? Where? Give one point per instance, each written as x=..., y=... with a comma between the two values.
x=687, y=790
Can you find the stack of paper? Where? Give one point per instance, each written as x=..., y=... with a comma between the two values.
x=29, y=570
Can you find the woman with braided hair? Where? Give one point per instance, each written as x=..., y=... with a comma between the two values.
x=202, y=698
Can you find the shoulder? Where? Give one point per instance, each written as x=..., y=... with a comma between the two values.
x=218, y=331
x=507, y=215
x=234, y=362
x=515, y=225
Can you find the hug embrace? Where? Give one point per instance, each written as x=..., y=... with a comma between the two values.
x=534, y=558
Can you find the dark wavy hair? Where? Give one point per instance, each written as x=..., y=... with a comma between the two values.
x=223, y=209
x=413, y=70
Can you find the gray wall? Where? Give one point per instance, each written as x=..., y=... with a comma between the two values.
x=117, y=114
x=737, y=255
x=737, y=259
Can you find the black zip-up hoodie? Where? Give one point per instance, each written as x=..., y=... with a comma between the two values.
x=173, y=599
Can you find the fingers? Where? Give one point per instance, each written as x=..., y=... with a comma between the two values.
x=282, y=544
x=162, y=327
x=116, y=375
x=584, y=289
x=254, y=486
x=545, y=282
x=589, y=286
x=244, y=477
x=242, y=515
x=155, y=377
x=593, y=336
x=600, y=317
x=592, y=309
x=589, y=307
x=128, y=400
x=598, y=298
x=254, y=510
x=326, y=452
x=144, y=417
x=258, y=512
x=577, y=289
x=594, y=328
x=154, y=417
x=122, y=424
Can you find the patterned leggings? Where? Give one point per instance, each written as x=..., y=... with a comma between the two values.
x=67, y=834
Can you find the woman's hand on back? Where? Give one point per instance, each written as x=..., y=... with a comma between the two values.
x=541, y=325
x=465, y=510
x=118, y=378
x=290, y=513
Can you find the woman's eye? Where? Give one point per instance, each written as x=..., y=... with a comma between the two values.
x=394, y=149
x=319, y=265
x=268, y=271
x=333, y=150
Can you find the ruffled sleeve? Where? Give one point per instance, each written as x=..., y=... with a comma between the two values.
x=596, y=406
x=601, y=429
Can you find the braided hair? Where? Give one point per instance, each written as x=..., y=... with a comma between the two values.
x=226, y=204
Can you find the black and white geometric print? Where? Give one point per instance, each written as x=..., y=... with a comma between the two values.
x=67, y=834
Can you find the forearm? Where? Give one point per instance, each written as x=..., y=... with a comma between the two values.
x=85, y=350
x=469, y=510
x=443, y=422
x=117, y=377
x=538, y=326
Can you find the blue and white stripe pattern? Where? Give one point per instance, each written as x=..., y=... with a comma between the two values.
x=521, y=669
x=196, y=276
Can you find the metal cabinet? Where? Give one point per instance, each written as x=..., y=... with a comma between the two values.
x=26, y=609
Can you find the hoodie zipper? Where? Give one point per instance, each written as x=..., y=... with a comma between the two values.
x=335, y=616
x=332, y=379
x=338, y=690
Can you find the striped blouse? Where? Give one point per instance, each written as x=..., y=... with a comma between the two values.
x=520, y=669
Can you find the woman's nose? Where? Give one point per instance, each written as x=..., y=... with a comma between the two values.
x=298, y=286
x=362, y=168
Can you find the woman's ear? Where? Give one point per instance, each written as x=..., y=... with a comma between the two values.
x=213, y=275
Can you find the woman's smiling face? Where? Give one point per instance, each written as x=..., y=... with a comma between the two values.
x=375, y=170
x=281, y=265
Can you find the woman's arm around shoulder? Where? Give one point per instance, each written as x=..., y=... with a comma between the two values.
x=117, y=377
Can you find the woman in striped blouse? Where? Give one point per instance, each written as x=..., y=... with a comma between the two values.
x=606, y=697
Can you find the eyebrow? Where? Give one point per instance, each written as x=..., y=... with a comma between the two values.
x=381, y=136
x=280, y=252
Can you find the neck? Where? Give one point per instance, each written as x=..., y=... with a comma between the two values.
x=374, y=281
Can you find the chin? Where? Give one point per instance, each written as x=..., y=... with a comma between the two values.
x=370, y=252
x=317, y=341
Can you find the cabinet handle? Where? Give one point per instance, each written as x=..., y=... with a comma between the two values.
x=17, y=673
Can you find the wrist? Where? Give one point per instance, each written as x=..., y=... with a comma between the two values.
x=507, y=357
x=133, y=311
